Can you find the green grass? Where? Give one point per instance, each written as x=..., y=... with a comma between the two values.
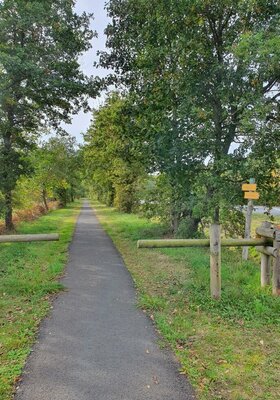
x=28, y=278
x=229, y=349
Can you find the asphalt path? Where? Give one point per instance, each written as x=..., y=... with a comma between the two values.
x=96, y=344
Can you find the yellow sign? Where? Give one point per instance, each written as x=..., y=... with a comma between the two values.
x=246, y=187
x=251, y=195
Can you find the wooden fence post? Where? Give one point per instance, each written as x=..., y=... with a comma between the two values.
x=276, y=265
x=265, y=269
x=215, y=261
x=267, y=243
x=248, y=223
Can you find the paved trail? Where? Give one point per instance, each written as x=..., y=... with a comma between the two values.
x=96, y=345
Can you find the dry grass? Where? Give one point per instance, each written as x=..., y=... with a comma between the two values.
x=29, y=214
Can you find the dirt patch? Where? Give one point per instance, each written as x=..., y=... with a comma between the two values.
x=29, y=214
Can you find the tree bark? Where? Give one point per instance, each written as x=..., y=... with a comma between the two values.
x=194, y=224
x=9, y=211
x=175, y=220
x=72, y=197
x=216, y=215
x=9, y=180
x=44, y=196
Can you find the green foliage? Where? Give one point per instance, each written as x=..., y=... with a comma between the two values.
x=233, y=222
x=154, y=197
x=203, y=78
x=113, y=165
x=58, y=169
x=159, y=198
x=125, y=198
x=2, y=205
x=40, y=79
x=189, y=228
x=56, y=174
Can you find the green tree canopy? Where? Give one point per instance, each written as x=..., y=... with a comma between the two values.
x=205, y=80
x=41, y=83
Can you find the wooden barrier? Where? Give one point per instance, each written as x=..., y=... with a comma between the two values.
x=265, y=269
x=276, y=267
x=173, y=243
x=267, y=243
x=29, y=238
x=270, y=255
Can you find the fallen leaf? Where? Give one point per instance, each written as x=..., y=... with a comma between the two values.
x=222, y=362
x=155, y=379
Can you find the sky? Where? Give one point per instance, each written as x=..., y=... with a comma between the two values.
x=80, y=122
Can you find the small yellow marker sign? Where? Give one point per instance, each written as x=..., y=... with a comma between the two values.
x=249, y=190
x=247, y=187
x=251, y=195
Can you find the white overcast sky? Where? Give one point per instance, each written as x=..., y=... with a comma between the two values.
x=81, y=122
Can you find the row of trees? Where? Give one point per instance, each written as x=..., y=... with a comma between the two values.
x=41, y=83
x=114, y=166
x=56, y=171
x=54, y=174
x=199, y=109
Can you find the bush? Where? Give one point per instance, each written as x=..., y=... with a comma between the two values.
x=189, y=228
x=125, y=199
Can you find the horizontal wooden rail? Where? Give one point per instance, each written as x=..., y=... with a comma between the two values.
x=268, y=250
x=29, y=238
x=161, y=243
x=267, y=243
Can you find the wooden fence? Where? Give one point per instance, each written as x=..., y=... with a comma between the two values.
x=267, y=243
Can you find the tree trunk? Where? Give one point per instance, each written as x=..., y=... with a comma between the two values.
x=9, y=179
x=175, y=220
x=72, y=191
x=44, y=196
x=9, y=211
x=217, y=215
x=63, y=199
x=194, y=224
x=110, y=197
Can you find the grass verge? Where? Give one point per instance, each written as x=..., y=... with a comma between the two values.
x=229, y=349
x=28, y=278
